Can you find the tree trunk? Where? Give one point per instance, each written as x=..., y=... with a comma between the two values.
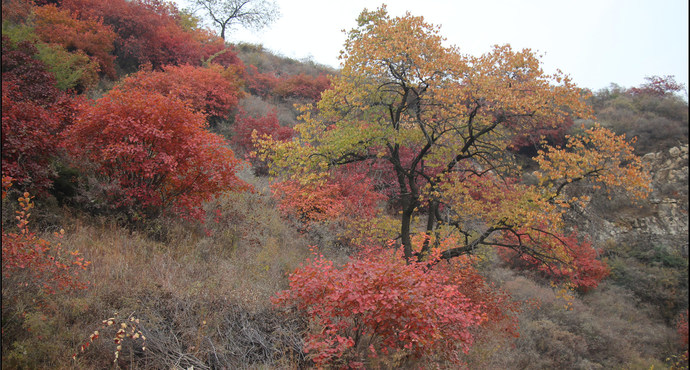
x=405, y=223
x=430, y=226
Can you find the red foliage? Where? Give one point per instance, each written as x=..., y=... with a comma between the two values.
x=383, y=176
x=657, y=86
x=155, y=150
x=302, y=86
x=682, y=327
x=260, y=84
x=58, y=26
x=345, y=194
x=527, y=141
x=214, y=47
x=31, y=77
x=148, y=32
x=16, y=11
x=380, y=305
x=585, y=271
x=213, y=91
x=34, y=112
x=35, y=262
x=246, y=125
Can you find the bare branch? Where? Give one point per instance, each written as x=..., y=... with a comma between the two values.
x=225, y=14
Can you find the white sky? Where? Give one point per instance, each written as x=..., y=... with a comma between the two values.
x=596, y=42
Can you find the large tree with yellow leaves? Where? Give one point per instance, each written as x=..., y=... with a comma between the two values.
x=440, y=123
x=432, y=128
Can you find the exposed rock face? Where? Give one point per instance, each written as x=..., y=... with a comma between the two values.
x=659, y=221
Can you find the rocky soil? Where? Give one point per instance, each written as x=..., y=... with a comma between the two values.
x=660, y=221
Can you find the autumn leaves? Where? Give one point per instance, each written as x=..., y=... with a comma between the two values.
x=439, y=126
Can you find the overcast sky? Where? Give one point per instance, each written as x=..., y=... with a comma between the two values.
x=596, y=42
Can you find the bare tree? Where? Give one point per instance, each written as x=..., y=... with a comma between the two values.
x=248, y=13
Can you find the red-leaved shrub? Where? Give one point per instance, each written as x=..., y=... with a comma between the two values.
x=155, y=150
x=148, y=31
x=584, y=270
x=302, y=86
x=213, y=91
x=246, y=125
x=379, y=305
x=34, y=113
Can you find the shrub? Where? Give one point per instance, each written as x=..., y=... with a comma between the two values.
x=585, y=271
x=34, y=113
x=155, y=150
x=344, y=195
x=16, y=10
x=380, y=306
x=149, y=31
x=60, y=26
x=246, y=127
x=213, y=91
x=302, y=86
x=652, y=113
x=260, y=84
x=71, y=70
x=21, y=66
x=35, y=264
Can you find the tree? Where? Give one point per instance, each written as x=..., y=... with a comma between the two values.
x=437, y=126
x=248, y=13
x=442, y=123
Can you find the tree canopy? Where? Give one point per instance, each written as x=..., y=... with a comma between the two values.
x=439, y=123
x=432, y=128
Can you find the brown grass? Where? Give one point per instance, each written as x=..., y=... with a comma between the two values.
x=194, y=287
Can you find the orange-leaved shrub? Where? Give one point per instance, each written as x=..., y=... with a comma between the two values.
x=60, y=26
x=344, y=194
x=213, y=91
x=150, y=32
x=155, y=150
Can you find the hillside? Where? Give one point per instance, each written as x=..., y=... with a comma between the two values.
x=173, y=201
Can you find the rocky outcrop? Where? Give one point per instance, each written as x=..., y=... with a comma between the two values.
x=660, y=221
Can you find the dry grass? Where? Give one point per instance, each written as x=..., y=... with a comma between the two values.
x=605, y=329
x=201, y=291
